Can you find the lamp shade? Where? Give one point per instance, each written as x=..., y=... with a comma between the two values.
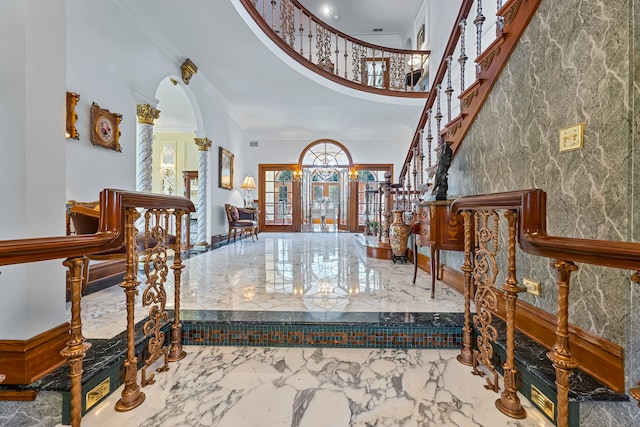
x=248, y=183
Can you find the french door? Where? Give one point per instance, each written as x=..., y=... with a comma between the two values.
x=277, y=193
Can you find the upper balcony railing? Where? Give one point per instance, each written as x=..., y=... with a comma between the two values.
x=338, y=56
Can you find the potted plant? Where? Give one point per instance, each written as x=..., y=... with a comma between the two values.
x=372, y=227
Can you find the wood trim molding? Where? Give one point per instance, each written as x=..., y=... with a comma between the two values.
x=597, y=356
x=25, y=361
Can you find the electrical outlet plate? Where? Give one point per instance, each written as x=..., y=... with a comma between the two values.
x=533, y=286
x=572, y=138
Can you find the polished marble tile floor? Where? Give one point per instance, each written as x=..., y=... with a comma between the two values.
x=324, y=273
x=250, y=386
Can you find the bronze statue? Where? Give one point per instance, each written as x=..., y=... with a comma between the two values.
x=442, y=171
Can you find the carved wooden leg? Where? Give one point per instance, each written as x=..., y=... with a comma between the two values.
x=563, y=360
x=415, y=258
x=434, y=269
x=466, y=355
x=76, y=346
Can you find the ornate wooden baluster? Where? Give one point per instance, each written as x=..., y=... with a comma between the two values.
x=462, y=60
x=429, y=139
x=635, y=392
x=76, y=346
x=131, y=397
x=466, y=354
x=485, y=271
x=449, y=89
x=509, y=402
x=337, y=51
x=176, y=351
x=301, y=31
x=346, y=56
x=561, y=357
x=499, y=21
x=273, y=14
x=438, y=115
x=421, y=149
x=310, y=36
x=479, y=21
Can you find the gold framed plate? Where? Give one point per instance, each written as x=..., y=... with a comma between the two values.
x=105, y=128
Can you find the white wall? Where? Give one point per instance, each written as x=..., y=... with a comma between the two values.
x=32, y=112
x=109, y=62
x=440, y=22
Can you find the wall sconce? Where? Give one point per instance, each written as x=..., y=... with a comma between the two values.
x=297, y=175
x=248, y=184
x=353, y=175
x=188, y=70
x=72, y=116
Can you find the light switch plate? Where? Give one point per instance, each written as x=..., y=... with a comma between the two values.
x=571, y=138
x=533, y=286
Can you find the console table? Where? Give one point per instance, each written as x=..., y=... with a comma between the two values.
x=439, y=228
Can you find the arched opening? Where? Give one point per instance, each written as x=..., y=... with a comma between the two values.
x=325, y=192
x=175, y=154
x=326, y=166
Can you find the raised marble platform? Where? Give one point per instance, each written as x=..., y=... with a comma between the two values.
x=372, y=330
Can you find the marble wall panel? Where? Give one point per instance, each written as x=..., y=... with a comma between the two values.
x=576, y=62
x=571, y=66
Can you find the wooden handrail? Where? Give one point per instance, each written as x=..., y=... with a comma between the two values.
x=113, y=232
x=110, y=233
x=529, y=207
x=251, y=7
x=532, y=231
x=465, y=7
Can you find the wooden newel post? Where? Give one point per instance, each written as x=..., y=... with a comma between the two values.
x=76, y=346
x=509, y=402
x=466, y=354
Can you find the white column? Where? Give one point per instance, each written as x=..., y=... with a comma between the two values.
x=144, y=127
x=203, y=151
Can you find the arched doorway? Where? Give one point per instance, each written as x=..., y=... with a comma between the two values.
x=324, y=192
x=326, y=167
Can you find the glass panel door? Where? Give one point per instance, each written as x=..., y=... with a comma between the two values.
x=276, y=202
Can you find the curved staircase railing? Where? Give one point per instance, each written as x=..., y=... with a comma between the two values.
x=119, y=211
x=338, y=56
x=484, y=35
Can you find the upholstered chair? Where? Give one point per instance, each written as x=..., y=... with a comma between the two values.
x=241, y=219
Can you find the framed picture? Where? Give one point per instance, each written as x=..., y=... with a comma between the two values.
x=105, y=128
x=225, y=173
x=420, y=38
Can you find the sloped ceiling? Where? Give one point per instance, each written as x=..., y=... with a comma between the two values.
x=268, y=97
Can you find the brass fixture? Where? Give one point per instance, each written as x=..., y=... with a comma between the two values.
x=188, y=70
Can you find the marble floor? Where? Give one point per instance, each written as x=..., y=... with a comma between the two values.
x=250, y=386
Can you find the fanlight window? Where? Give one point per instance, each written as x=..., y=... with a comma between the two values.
x=324, y=159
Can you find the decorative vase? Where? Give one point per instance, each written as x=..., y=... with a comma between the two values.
x=398, y=237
